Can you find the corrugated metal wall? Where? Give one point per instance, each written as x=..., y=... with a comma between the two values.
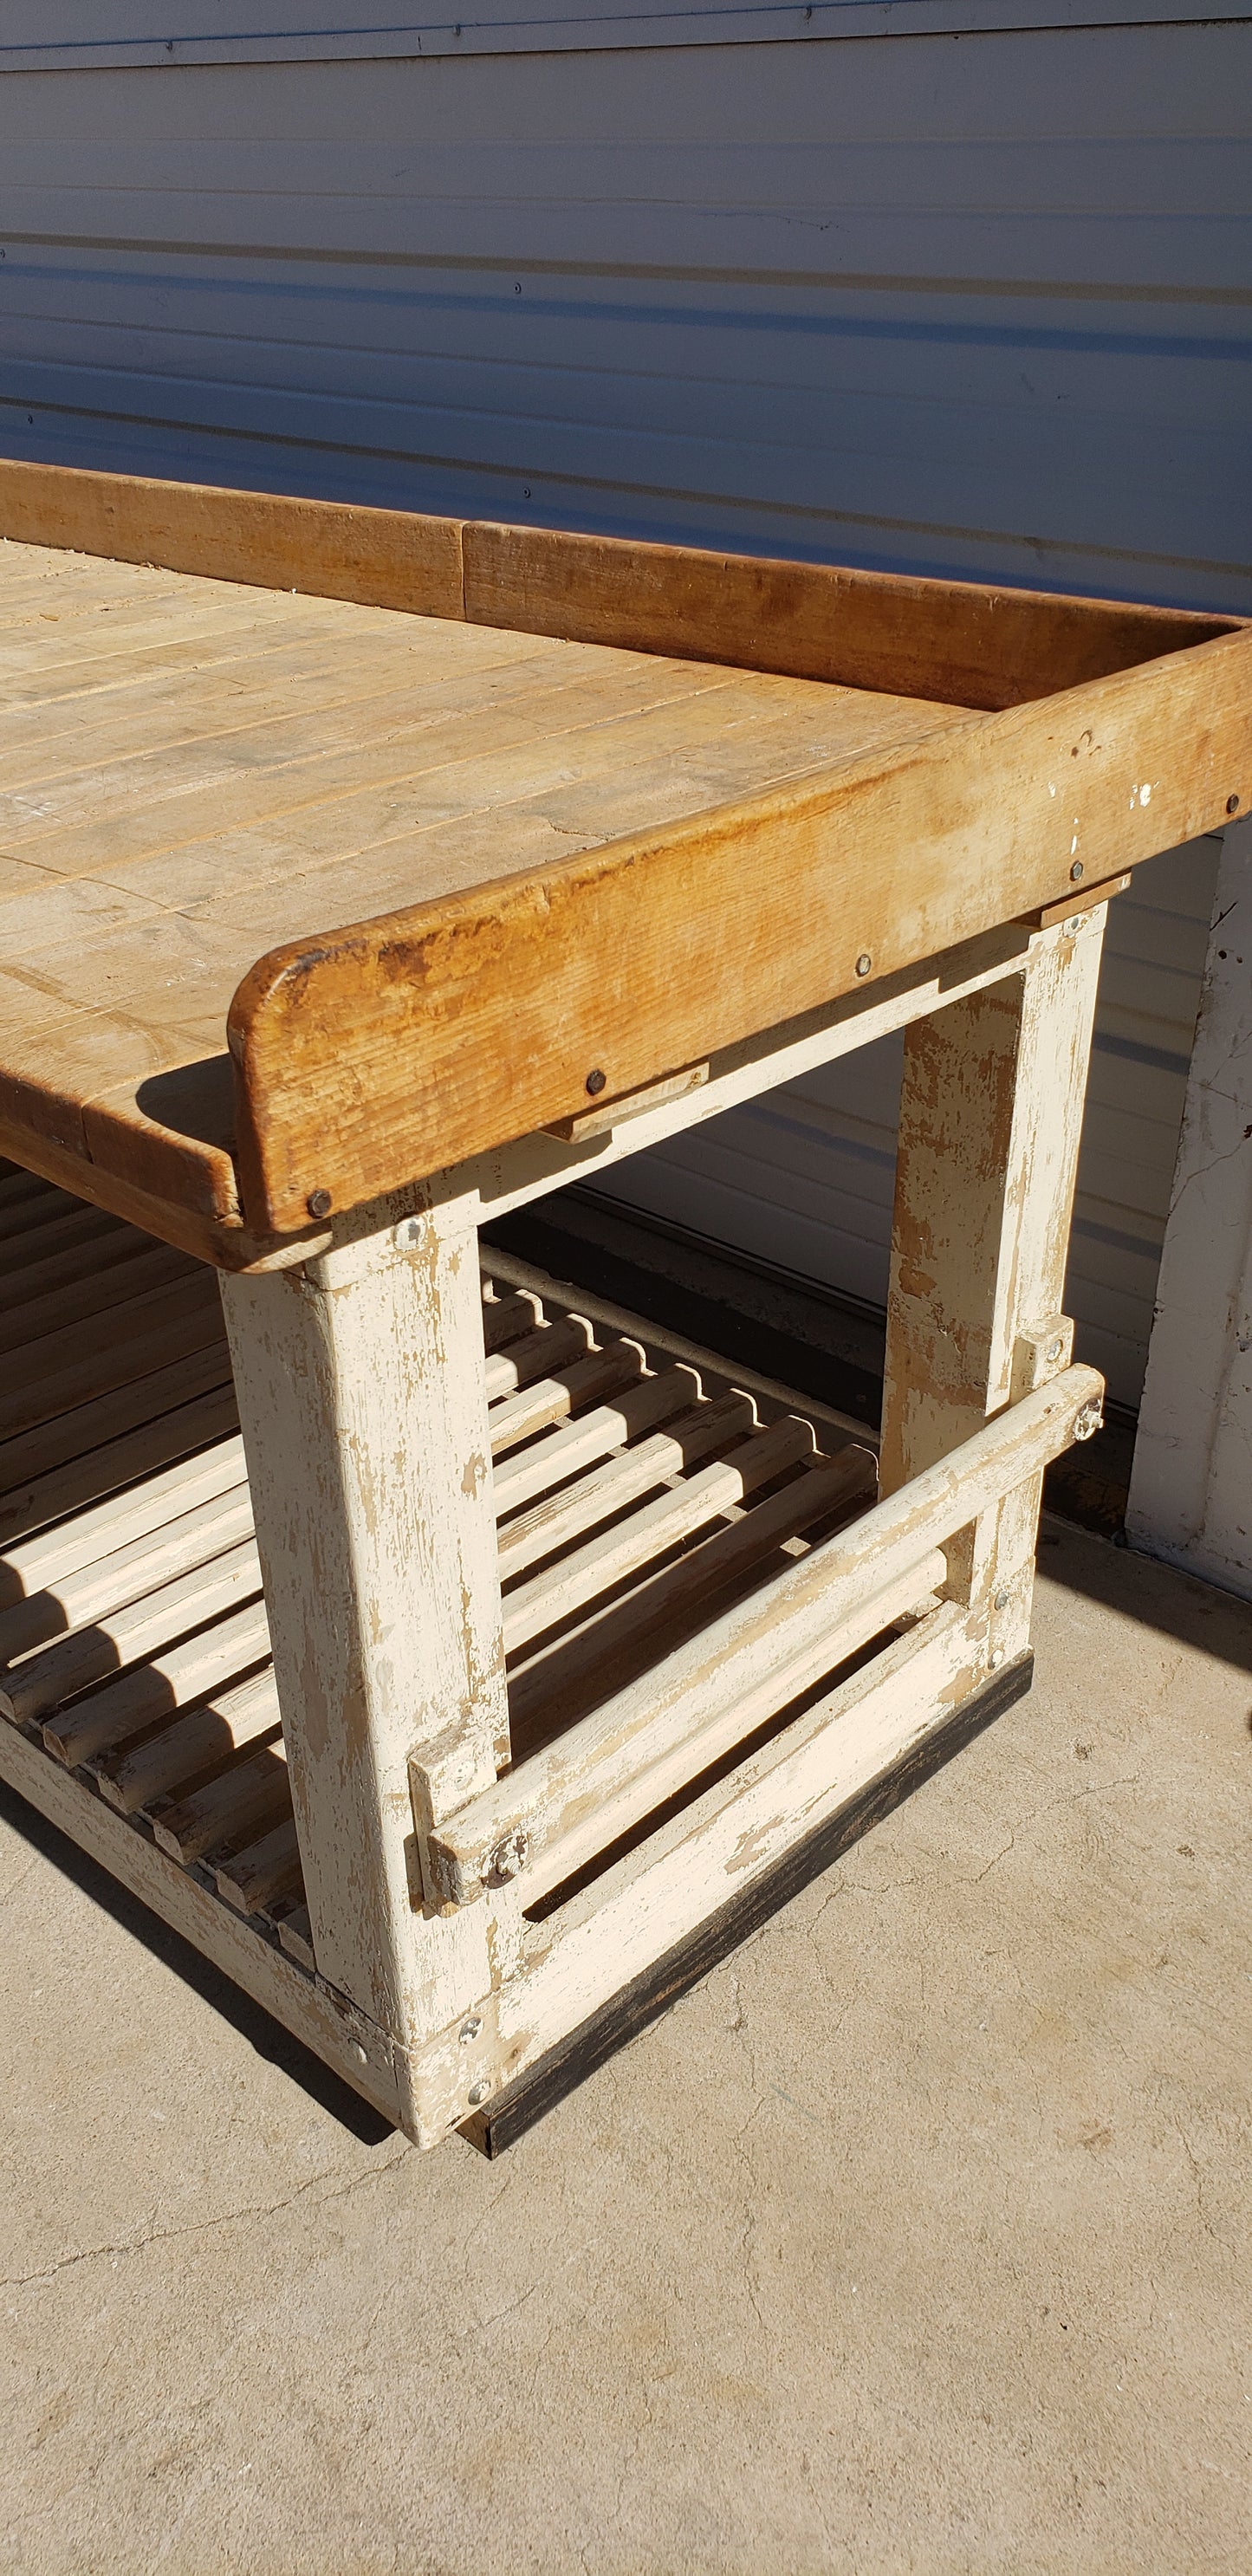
x=974, y=304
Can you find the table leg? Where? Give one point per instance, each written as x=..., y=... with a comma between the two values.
x=363, y=1403
x=990, y=1118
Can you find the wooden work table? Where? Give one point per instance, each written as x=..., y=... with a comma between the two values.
x=463, y=1665
x=435, y=871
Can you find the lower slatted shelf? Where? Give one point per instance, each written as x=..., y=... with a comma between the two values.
x=639, y=1493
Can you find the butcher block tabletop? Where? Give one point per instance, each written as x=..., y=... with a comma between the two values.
x=196, y=773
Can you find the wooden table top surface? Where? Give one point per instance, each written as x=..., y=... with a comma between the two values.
x=192, y=772
x=303, y=899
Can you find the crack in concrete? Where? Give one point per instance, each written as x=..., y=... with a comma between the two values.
x=1070, y=1798
x=195, y=2227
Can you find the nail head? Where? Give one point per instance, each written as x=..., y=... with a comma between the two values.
x=318, y=1203
x=864, y=962
x=470, y=2029
x=1232, y=804
x=1001, y=1601
x=1075, y=872
x=476, y=2094
x=595, y=1082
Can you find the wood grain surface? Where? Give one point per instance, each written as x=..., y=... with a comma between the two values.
x=585, y=807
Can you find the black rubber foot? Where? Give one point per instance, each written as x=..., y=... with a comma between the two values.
x=537, y=2092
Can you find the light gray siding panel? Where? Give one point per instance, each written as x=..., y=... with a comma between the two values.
x=977, y=305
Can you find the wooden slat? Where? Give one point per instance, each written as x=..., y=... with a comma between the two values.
x=121, y=1709
x=89, y=1295
x=203, y=1740
x=552, y=1399
x=607, y=1490
x=231, y=1811
x=35, y=1563
x=644, y=1536
x=104, y=1446
x=121, y=1637
x=71, y=1369
x=26, y=1215
x=268, y=1869
x=113, y=1248
x=576, y=1446
x=61, y=1234
x=508, y=1319
x=295, y=1931
x=535, y=1355
x=562, y=1682
x=92, y=1592
x=910, y=1599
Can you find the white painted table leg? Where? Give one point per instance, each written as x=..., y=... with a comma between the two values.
x=990, y=1119
x=363, y=1404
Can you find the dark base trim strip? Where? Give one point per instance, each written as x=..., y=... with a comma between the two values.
x=649, y=1996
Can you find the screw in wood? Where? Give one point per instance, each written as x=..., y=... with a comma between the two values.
x=509, y=1857
x=1075, y=872
x=1055, y=1349
x=407, y=1234
x=318, y=1203
x=1232, y=804
x=595, y=1082
x=1001, y=1601
x=995, y=1659
x=864, y=962
x=470, y=2029
x=476, y=2094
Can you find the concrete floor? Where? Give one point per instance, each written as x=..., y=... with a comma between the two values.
x=914, y=2240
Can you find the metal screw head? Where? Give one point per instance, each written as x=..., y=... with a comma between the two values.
x=469, y=2029
x=318, y=1203
x=1001, y=1601
x=407, y=1234
x=996, y=1658
x=1075, y=872
x=595, y=1082
x=1232, y=804
x=1088, y=1422
x=359, y=2053
x=476, y=2094
x=1055, y=1349
x=864, y=962
x=509, y=1857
